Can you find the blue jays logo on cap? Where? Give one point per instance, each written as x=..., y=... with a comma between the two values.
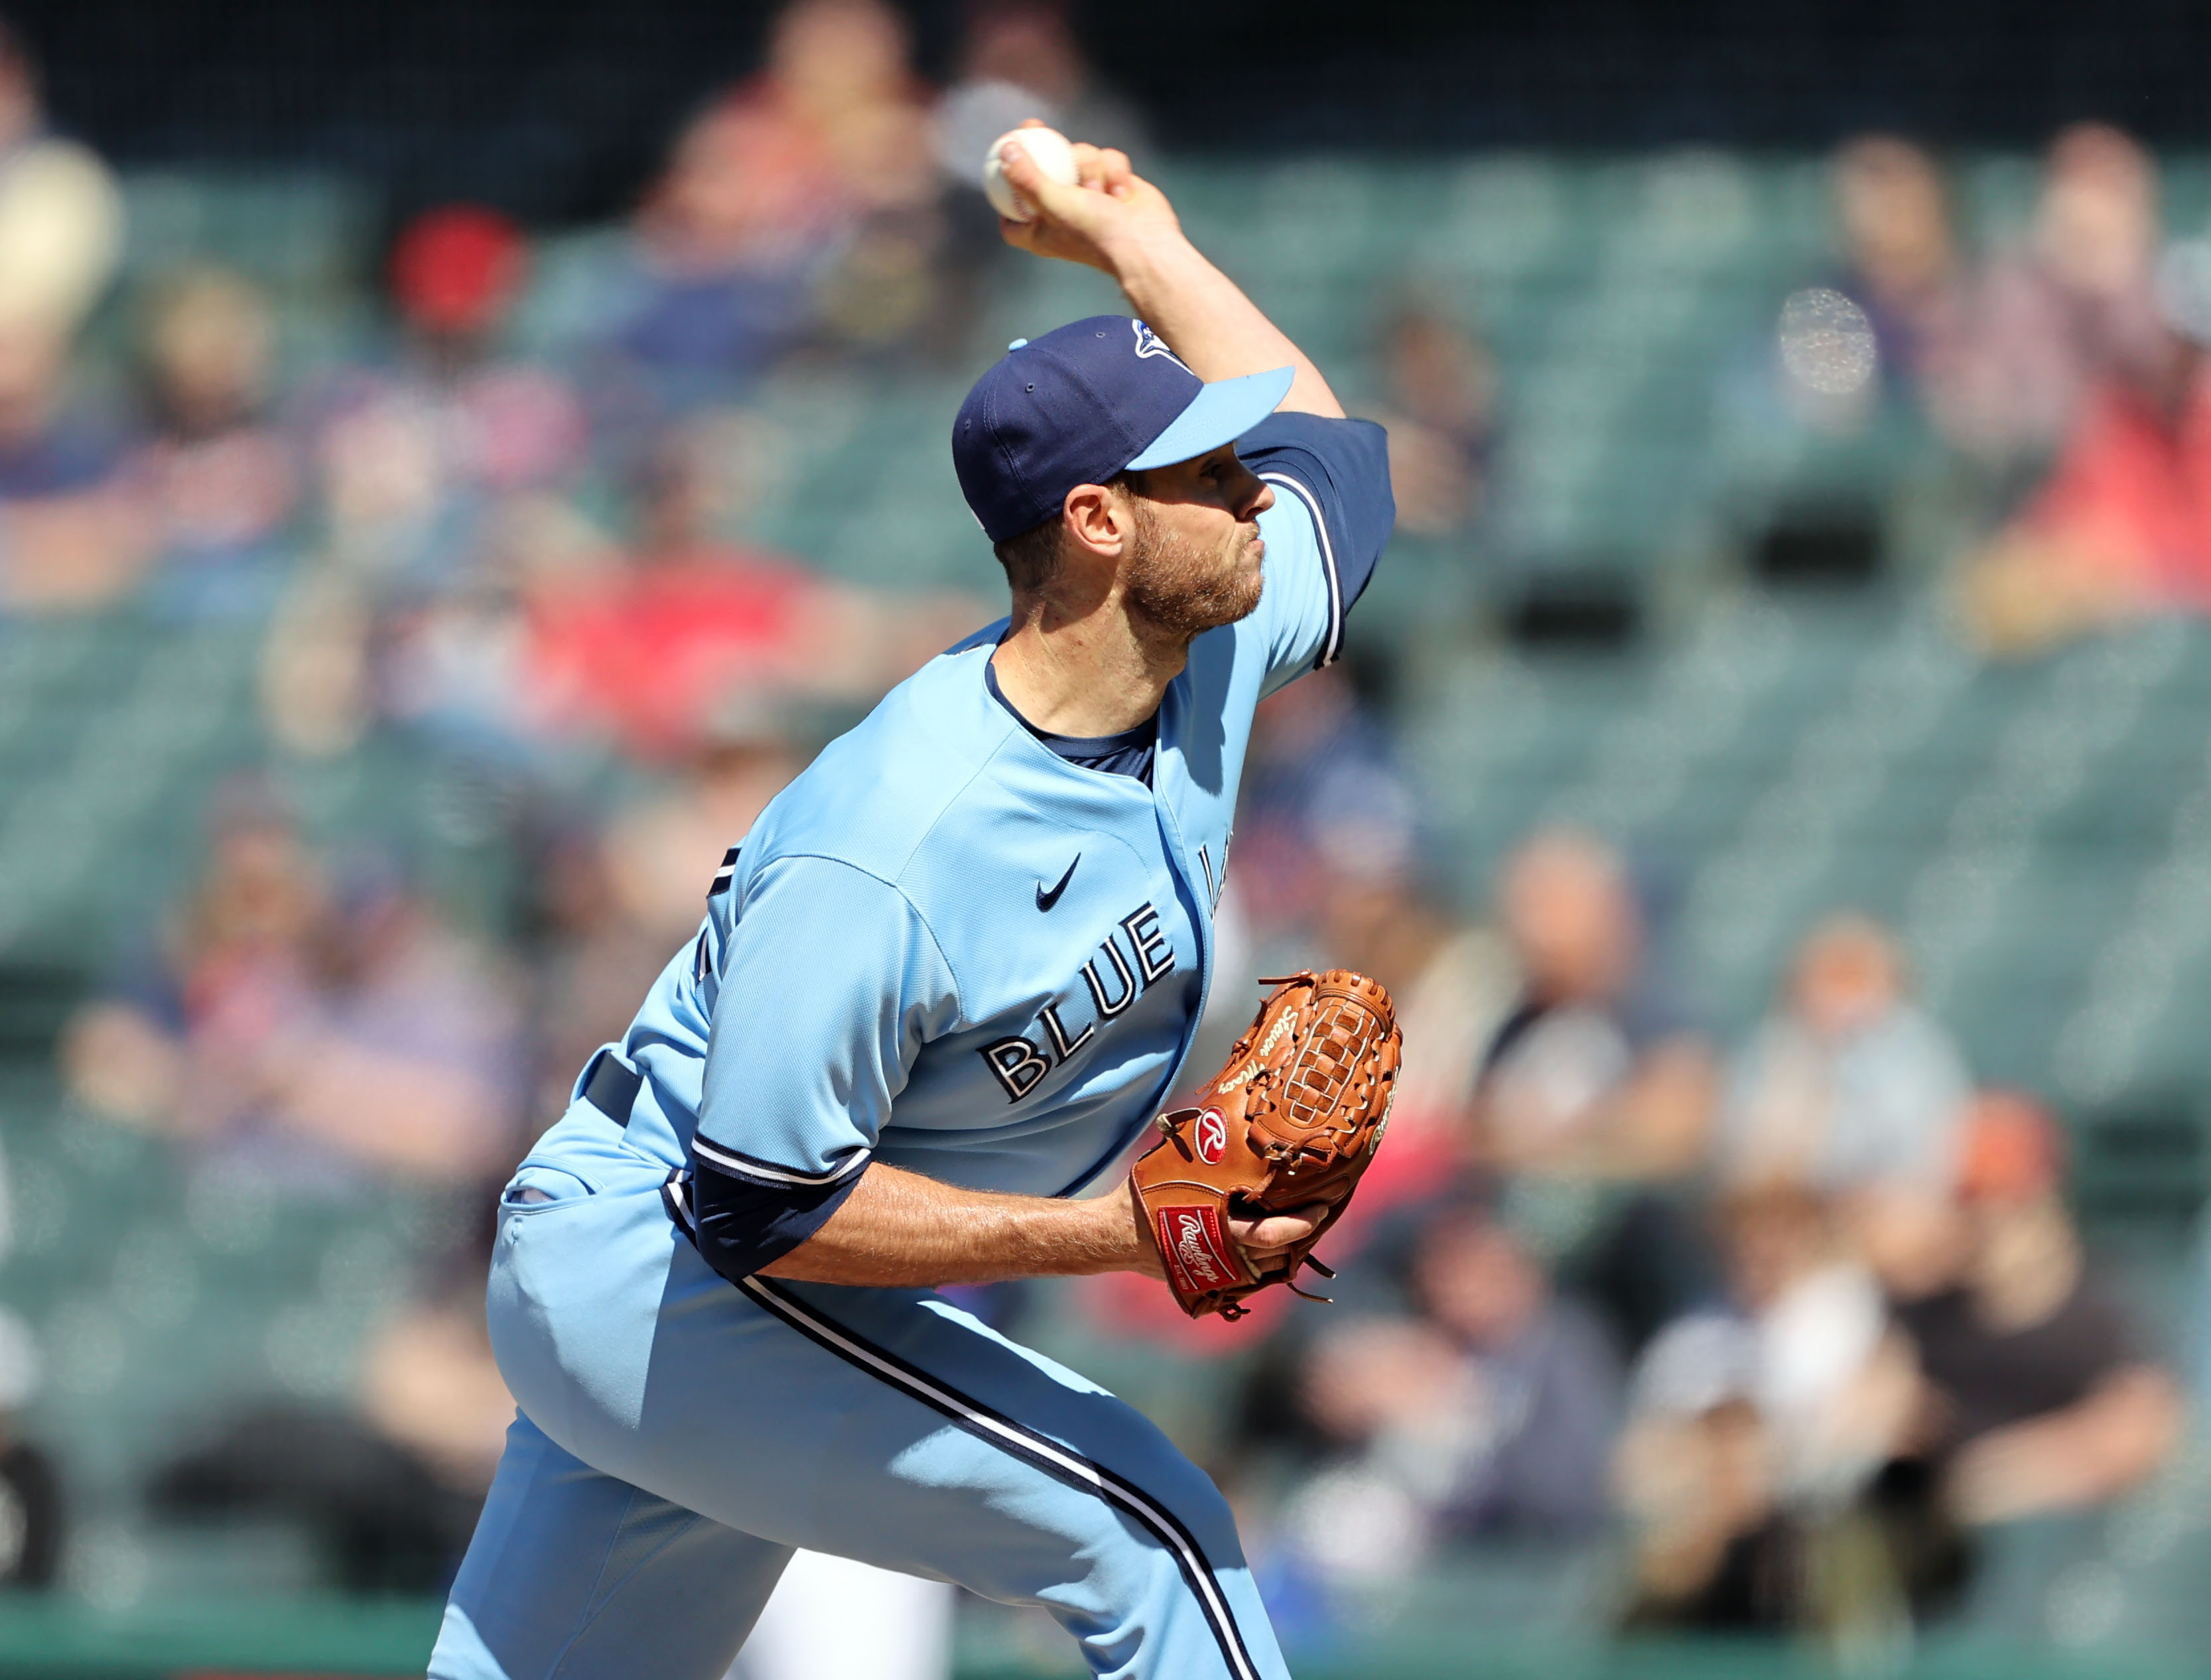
x=1149, y=343
x=1075, y=407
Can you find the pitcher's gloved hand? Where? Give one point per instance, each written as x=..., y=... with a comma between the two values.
x=1246, y=1182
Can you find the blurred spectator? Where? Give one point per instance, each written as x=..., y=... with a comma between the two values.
x=1021, y=59
x=457, y=664
x=1538, y=1384
x=1901, y=265
x=1441, y=413
x=1595, y=1097
x=213, y=477
x=2122, y=526
x=67, y=537
x=33, y=1512
x=440, y=484
x=1849, y=1084
x=840, y=91
x=1878, y=334
x=70, y=535
x=1829, y=412
x=412, y=458
x=1487, y=1413
x=376, y=1519
x=430, y=1385
x=726, y=246
x=647, y=650
x=61, y=215
x=562, y=646
x=2050, y=322
x=1714, y=1549
x=1753, y=1431
x=2039, y=1394
x=503, y=425
x=804, y=197
x=304, y=1028
x=590, y=960
x=1589, y=1077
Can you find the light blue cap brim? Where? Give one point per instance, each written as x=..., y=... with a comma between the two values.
x=1220, y=414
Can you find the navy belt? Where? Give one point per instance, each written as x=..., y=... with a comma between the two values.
x=611, y=1087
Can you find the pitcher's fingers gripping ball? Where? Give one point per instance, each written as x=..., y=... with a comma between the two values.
x=1292, y=1121
x=1048, y=148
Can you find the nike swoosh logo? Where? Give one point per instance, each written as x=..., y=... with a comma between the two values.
x=1046, y=900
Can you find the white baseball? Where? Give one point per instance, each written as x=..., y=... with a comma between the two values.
x=1047, y=148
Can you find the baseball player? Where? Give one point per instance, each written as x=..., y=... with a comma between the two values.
x=940, y=989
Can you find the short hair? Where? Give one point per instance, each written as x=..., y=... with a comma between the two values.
x=1032, y=557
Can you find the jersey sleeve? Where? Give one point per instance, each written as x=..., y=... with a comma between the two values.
x=830, y=984
x=1332, y=516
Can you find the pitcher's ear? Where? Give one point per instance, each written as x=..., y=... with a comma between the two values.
x=1099, y=520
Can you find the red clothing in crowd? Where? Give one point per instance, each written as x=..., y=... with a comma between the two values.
x=648, y=654
x=2131, y=495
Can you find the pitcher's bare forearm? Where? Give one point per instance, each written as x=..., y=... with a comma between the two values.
x=1117, y=222
x=899, y=1231
x=1215, y=329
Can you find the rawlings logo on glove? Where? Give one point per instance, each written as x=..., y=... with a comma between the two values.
x=1291, y=1121
x=1195, y=1250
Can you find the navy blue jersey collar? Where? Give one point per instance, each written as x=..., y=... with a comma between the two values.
x=1128, y=753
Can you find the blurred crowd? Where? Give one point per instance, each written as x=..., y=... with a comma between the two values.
x=1791, y=1322
x=2057, y=379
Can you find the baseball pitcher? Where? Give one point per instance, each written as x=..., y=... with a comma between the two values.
x=940, y=991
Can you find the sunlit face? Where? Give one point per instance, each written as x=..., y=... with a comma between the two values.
x=1572, y=918
x=1198, y=553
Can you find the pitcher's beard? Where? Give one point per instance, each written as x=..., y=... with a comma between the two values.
x=1182, y=589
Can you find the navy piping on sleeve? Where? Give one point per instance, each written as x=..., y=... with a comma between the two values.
x=1334, y=645
x=723, y=875
x=1339, y=471
x=741, y=1165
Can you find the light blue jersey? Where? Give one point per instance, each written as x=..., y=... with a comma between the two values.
x=945, y=947
x=960, y=948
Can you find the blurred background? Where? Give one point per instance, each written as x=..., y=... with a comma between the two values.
x=458, y=462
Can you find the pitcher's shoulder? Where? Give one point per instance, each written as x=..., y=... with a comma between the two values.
x=874, y=795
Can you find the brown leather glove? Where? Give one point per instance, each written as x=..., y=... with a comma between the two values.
x=1292, y=1119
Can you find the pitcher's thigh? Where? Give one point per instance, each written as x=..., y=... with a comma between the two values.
x=575, y=1573
x=905, y=1434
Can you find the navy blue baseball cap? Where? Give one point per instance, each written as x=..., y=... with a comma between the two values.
x=1096, y=398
